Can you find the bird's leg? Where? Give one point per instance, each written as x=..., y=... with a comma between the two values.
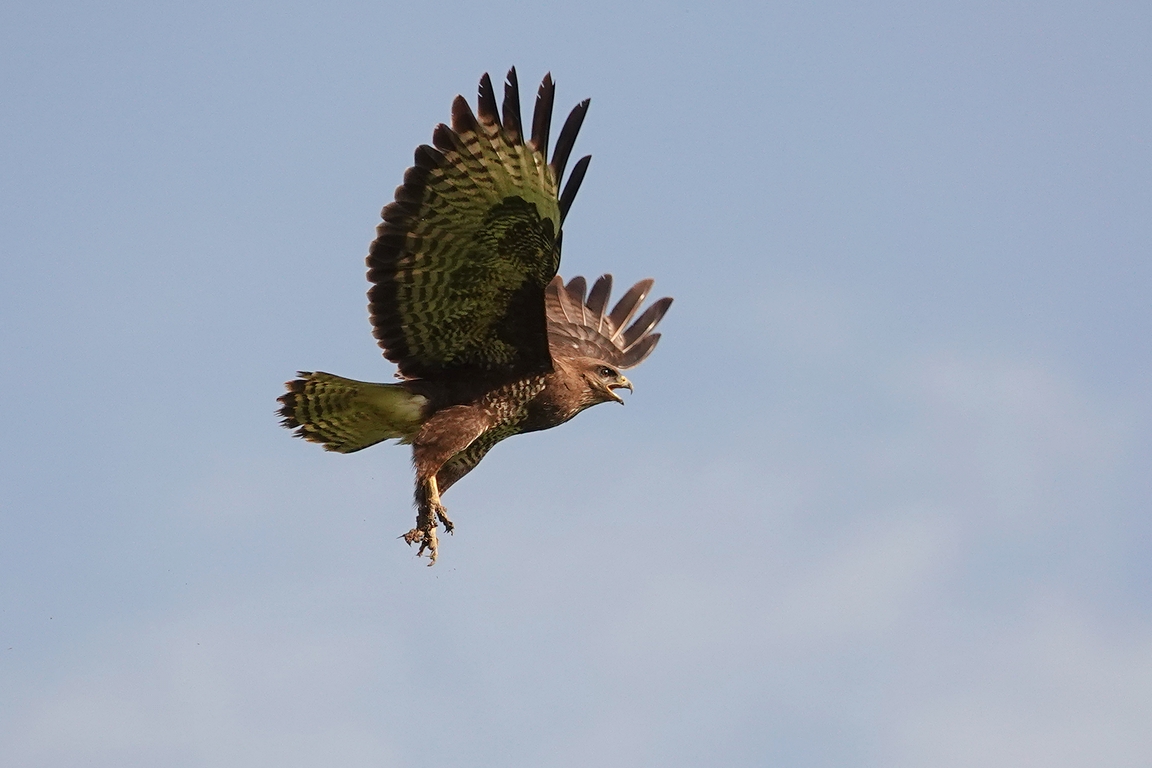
x=428, y=511
x=443, y=436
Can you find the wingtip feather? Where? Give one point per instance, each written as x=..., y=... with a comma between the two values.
x=573, y=185
x=567, y=140
x=512, y=126
x=646, y=322
x=489, y=113
x=542, y=114
x=625, y=308
x=598, y=300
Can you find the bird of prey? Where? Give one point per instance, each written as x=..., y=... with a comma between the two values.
x=489, y=341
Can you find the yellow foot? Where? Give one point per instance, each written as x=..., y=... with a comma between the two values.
x=425, y=530
x=429, y=510
x=427, y=539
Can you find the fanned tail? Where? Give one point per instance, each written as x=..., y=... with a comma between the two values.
x=345, y=415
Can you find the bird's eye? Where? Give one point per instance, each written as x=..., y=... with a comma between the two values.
x=607, y=372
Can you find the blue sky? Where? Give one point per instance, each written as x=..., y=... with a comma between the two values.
x=882, y=494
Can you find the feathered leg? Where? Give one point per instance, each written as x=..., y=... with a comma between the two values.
x=442, y=437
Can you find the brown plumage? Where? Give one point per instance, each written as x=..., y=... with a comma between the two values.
x=465, y=299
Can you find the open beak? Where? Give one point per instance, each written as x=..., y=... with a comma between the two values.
x=623, y=383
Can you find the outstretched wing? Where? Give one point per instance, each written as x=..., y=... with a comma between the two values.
x=462, y=259
x=581, y=327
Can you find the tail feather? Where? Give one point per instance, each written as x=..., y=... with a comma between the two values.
x=345, y=415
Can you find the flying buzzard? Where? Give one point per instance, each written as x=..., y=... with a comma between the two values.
x=466, y=301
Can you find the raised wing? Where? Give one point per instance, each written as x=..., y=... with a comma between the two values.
x=581, y=327
x=461, y=261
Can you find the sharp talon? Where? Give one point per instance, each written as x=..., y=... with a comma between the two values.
x=427, y=541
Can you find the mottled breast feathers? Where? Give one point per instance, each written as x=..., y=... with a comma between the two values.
x=464, y=255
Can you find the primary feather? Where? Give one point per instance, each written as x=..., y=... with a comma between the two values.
x=581, y=328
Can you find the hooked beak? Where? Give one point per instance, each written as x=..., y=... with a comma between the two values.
x=623, y=383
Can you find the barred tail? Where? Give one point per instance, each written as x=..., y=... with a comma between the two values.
x=346, y=415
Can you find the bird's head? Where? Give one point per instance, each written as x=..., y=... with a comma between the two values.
x=602, y=380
